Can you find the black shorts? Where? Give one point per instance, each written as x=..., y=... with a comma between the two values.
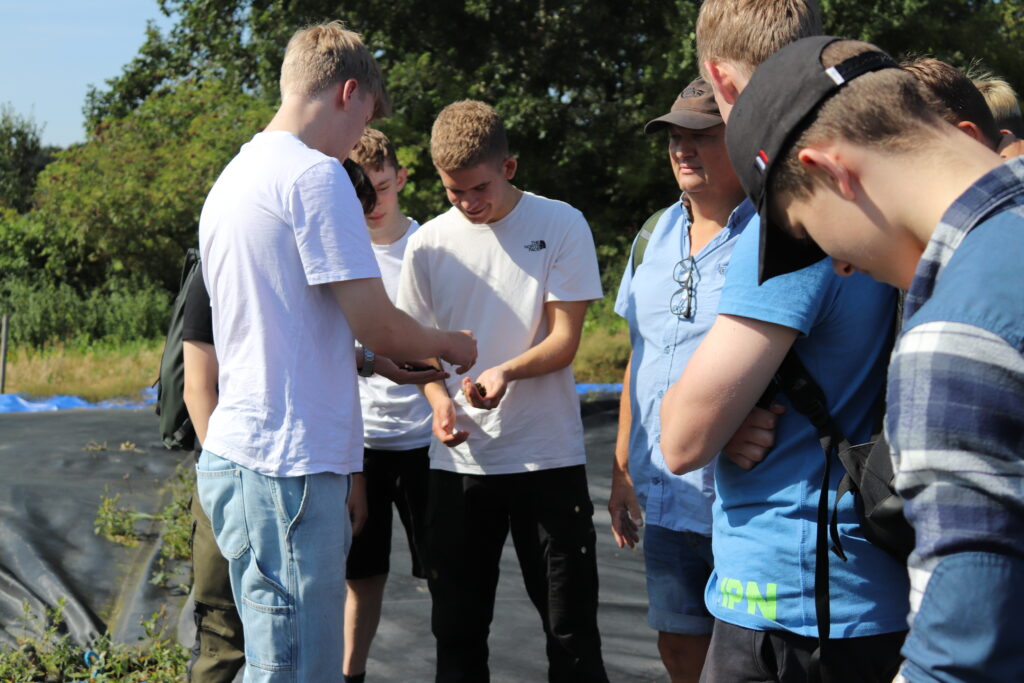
x=398, y=477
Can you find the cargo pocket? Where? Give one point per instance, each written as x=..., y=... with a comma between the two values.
x=270, y=628
x=220, y=494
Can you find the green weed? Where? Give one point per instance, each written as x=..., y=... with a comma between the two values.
x=46, y=654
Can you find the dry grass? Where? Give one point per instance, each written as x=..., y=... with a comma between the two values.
x=93, y=374
x=602, y=355
x=98, y=374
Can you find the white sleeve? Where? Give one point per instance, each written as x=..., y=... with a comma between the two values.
x=414, y=285
x=574, y=274
x=330, y=230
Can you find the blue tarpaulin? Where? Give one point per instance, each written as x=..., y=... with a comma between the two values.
x=17, y=403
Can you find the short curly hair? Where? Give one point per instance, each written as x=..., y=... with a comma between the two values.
x=375, y=151
x=467, y=133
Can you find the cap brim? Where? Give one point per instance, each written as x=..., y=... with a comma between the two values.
x=694, y=120
x=780, y=253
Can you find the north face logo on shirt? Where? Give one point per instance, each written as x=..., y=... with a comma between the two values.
x=536, y=245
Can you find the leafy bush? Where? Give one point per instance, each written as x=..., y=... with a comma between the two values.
x=128, y=200
x=43, y=313
x=47, y=653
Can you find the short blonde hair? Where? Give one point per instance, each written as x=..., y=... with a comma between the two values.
x=747, y=32
x=1002, y=102
x=467, y=133
x=325, y=55
x=883, y=110
x=375, y=151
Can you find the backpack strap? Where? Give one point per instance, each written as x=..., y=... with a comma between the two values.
x=191, y=258
x=643, y=238
x=807, y=398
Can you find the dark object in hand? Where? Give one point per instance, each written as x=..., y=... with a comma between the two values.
x=409, y=367
x=480, y=389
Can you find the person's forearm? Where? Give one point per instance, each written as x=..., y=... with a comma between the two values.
x=434, y=391
x=557, y=349
x=686, y=444
x=718, y=388
x=200, y=383
x=200, y=405
x=381, y=327
x=621, y=464
x=397, y=335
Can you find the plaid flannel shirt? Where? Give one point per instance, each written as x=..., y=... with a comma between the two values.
x=956, y=388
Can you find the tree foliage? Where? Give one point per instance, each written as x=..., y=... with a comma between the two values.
x=127, y=202
x=575, y=82
x=22, y=156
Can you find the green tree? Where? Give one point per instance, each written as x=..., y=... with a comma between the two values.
x=574, y=80
x=126, y=203
x=22, y=156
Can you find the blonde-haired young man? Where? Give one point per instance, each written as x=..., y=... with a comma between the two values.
x=734, y=36
x=862, y=169
x=292, y=281
x=508, y=448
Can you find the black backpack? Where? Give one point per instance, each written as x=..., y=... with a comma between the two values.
x=176, y=429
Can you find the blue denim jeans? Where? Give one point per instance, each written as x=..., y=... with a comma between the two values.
x=678, y=564
x=285, y=540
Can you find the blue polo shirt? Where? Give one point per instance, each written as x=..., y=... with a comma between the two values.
x=765, y=519
x=662, y=345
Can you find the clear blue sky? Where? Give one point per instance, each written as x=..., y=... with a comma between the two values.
x=52, y=50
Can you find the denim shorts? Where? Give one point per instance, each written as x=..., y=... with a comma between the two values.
x=678, y=567
x=285, y=540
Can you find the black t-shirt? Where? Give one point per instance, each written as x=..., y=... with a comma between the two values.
x=197, y=324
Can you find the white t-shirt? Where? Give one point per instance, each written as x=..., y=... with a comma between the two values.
x=281, y=220
x=395, y=417
x=494, y=279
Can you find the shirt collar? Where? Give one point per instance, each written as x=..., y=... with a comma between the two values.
x=994, y=192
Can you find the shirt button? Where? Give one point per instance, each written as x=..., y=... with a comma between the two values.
x=576, y=509
x=668, y=349
x=661, y=394
x=583, y=550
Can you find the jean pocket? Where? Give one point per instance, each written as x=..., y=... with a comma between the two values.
x=220, y=494
x=268, y=615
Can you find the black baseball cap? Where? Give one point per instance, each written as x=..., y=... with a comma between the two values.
x=776, y=106
x=695, y=109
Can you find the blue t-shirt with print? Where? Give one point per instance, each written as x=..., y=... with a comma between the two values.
x=765, y=519
x=662, y=344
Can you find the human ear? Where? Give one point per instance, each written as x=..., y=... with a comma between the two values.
x=345, y=92
x=401, y=175
x=972, y=130
x=722, y=82
x=508, y=167
x=830, y=169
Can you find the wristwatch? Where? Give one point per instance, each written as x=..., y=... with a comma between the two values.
x=368, y=357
